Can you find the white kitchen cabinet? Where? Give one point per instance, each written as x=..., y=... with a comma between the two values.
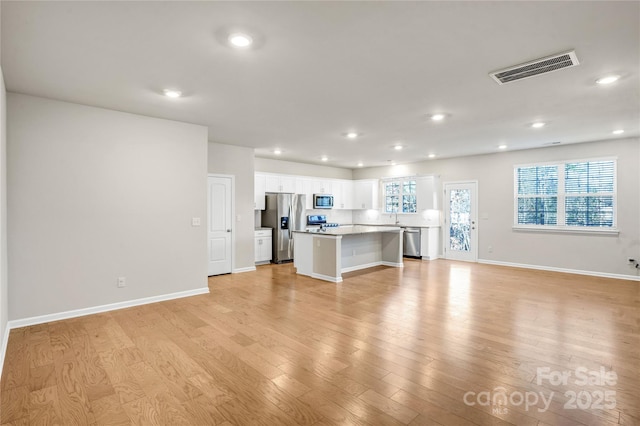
x=428, y=192
x=305, y=186
x=365, y=194
x=343, y=194
x=259, y=188
x=262, y=246
x=430, y=242
x=280, y=183
x=322, y=186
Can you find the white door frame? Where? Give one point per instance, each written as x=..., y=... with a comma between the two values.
x=445, y=230
x=233, y=214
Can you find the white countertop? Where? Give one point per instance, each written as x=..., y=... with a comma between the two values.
x=400, y=225
x=353, y=230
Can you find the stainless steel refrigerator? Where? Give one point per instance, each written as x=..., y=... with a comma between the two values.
x=284, y=213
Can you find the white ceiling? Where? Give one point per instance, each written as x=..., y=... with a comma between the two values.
x=320, y=69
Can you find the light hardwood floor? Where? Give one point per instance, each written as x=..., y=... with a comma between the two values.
x=387, y=346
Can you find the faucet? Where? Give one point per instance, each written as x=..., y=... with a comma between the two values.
x=397, y=221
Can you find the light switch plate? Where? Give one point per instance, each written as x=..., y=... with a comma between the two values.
x=195, y=221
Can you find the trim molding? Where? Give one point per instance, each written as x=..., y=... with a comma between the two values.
x=564, y=270
x=24, y=322
x=326, y=278
x=371, y=265
x=358, y=267
x=241, y=270
x=3, y=348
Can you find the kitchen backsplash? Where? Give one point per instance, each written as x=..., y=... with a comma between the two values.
x=423, y=218
x=344, y=217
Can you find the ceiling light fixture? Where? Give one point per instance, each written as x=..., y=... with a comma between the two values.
x=608, y=79
x=432, y=156
x=277, y=151
x=398, y=147
x=437, y=117
x=538, y=125
x=169, y=93
x=351, y=135
x=324, y=158
x=240, y=40
x=502, y=147
x=360, y=164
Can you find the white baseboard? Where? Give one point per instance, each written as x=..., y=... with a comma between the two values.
x=326, y=278
x=241, y=270
x=103, y=308
x=371, y=265
x=3, y=348
x=358, y=267
x=431, y=257
x=564, y=270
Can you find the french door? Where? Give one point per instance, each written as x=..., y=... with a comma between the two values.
x=461, y=221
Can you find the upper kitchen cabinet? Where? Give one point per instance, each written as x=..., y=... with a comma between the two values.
x=343, y=194
x=428, y=191
x=259, y=188
x=280, y=183
x=323, y=186
x=305, y=186
x=365, y=194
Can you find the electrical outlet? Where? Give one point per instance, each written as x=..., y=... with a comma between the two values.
x=195, y=221
x=122, y=282
x=490, y=249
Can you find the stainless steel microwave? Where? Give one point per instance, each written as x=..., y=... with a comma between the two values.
x=322, y=201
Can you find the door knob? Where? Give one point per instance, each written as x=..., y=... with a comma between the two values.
x=228, y=230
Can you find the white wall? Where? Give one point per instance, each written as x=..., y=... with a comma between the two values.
x=95, y=194
x=4, y=297
x=494, y=173
x=268, y=165
x=238, y=161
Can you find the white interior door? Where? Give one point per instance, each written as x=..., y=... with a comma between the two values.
x=461, y=221
x=219, y=225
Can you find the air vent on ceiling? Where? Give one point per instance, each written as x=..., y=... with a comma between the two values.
x=537, y=67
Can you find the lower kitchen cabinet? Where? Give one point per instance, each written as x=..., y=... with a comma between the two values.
x=262, y=245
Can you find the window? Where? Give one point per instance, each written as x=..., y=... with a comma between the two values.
x=400, y=196
x=570, y=195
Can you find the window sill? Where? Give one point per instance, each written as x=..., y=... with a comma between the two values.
x=566, y=230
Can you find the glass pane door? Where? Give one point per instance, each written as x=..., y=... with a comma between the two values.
x=461, y=232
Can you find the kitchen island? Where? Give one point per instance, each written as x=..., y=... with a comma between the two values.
x=327, y=254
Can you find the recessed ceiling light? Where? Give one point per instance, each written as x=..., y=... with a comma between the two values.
x=360, y=164
x=432, y=156
x=502, y=147
x=393, y=163
x=240, y=40
x=538, y=125
x=351, y=135
x=277, y=151
x=618, y=132
x=324, y=158
x=398, y=147
x=169, y=93
x=437, y=117
x=608, y=79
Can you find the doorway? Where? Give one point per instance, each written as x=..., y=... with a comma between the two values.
x=220, y=210
x=461, y=221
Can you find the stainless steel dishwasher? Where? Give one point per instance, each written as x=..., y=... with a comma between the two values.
x=411, y=242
